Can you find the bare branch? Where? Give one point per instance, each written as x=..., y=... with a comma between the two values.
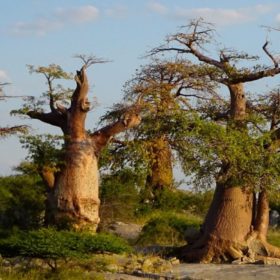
x=129, y=119
x=101, y=137
x=15, y=96
x=4, y=84
x=195, y=95
x=90, y=60
x=270, y=55
x=269, y=28
x=53, y=118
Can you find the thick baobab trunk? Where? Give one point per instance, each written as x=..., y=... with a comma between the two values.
x=233, y=202
x=228, y=232
x=225, y=228
x=76, y=188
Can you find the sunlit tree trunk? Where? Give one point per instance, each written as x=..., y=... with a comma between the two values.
x=161, y=173
x=73, y=198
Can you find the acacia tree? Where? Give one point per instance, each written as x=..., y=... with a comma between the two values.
x=233, y=227
x=167, y=87
x=74, y=183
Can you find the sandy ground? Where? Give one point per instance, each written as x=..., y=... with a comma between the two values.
x=210, y=272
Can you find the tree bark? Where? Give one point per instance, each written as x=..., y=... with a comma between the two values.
x=238, y=102
x=161, y=173
x=76, y=189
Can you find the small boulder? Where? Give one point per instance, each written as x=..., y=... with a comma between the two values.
x=125, y=230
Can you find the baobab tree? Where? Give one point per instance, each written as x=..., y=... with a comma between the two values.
x=168, y=89
x=74, y=183
x=233, y=228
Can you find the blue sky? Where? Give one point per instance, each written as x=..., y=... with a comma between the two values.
x=41, y=32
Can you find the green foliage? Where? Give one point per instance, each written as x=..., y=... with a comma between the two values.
x=44, y=150
x=273, y=237
x=52, y=71
x=119, y=195
x=168, y=228
x=274, y=200
x=21, y=202
x=48, y=243
x=232, y=156
x=164, y=113
x=55, y=92
x=178, y=200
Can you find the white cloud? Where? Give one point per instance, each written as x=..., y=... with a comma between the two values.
x=39, y=27
x=58, y=19
x=4, y=76
x=119, y=11
x=278, y=17
x=263, y=9
x=157, y=8
x=217, y=16
x=77, y=15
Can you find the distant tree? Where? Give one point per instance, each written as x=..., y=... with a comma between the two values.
x=234, y=226
x=168, y=89
x=74, y=196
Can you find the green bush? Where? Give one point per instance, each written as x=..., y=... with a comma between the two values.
x=273, y=237
x=168, y=229
x=22, y=202
x=177, y=200
x=119, y=196
x=50, y=243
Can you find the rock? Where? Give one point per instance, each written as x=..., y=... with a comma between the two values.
x=274, y=218
x=124, y=230
x=271, y=261
x=174, y=261
x=113, y=267
x=147, y=265
x=6, y=263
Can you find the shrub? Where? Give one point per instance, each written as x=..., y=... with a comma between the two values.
x=48, y=243
x=119, y=196
x=167, y=229
x=273, y=237
x=177, y=200
x=22, y=202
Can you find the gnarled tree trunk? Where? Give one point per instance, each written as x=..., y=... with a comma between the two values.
x=76, y=187
x=232, y=230
x=73, y=191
